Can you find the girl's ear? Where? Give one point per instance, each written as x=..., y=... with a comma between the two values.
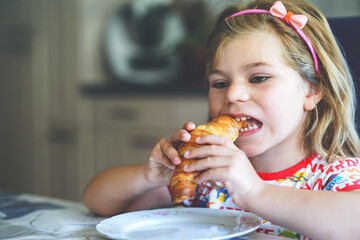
x=313, y=96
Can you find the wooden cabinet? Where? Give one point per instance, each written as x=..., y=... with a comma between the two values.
x=40, y=98
x=126, y=128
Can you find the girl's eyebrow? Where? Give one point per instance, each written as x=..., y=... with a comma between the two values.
x=257, y=64
x=246, y=67
x=216, y=71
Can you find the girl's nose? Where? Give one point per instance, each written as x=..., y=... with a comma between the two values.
x=237, y=93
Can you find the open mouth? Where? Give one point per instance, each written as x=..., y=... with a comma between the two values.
x=252, y=124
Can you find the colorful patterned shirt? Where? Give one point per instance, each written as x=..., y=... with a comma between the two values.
x=313, y=173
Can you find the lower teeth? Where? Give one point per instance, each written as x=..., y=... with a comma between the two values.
x=249, y=128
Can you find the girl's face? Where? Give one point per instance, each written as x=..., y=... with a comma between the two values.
x=252, y=80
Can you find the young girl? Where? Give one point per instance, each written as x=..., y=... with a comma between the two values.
x=287, y=76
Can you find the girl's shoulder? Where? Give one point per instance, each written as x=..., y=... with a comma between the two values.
x=340, y=175
x=318, y=163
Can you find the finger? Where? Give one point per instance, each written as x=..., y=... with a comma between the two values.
x=208, y=151
x=169, y=152
x=189, y=126
x=206, y=163
x=157, y=156
x=211, y=174
x=214, y=140
x=180, y=136
x=167, y=162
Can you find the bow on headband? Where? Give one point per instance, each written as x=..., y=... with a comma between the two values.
x=279, y=10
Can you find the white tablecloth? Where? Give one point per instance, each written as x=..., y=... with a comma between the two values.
x=26, y=216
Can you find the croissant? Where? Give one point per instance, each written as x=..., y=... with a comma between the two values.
x=183, y=183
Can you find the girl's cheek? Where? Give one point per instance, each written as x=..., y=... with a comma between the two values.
x=214, y=112
x=215, y=104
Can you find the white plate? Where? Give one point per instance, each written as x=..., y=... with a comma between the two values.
x=179, y=223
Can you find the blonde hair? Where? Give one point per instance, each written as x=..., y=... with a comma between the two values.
x=330, y=128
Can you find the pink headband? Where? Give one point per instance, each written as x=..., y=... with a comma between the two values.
x=295, y=21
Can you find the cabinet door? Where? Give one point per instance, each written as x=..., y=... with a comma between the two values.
x=117, y=145
x=16, y=96
x=127, y=129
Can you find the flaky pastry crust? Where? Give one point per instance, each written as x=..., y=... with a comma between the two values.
x=183, y=183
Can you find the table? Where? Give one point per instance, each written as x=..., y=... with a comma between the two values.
x=28, y=216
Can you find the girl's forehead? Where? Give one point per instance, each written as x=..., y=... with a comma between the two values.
x=264, y=48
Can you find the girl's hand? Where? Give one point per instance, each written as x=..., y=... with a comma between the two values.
x=221, y=160
x=164, y=157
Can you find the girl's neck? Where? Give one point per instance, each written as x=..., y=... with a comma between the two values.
x=275, y=161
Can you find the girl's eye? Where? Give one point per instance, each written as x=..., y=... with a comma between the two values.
x=259, y=79
x=220, y=85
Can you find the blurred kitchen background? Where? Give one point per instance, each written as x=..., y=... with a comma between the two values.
x=89, y=84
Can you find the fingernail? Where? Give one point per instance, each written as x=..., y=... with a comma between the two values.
x=187, y=154
x=177, y=160
x=197, y=139
x=186, y=168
